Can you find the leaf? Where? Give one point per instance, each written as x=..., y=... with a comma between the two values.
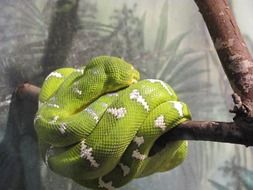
x=161, y=35
x=179, y=66
x=218, y=186
x=164, y=68
x=35, y=45
x=97, y=27
x=142, y=29
x=25, y=14
x=189, y=73
x=32, y=8
x=175, y=43
x=190, y=85
x=20, y=36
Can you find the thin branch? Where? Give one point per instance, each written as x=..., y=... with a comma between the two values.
x=226, y=132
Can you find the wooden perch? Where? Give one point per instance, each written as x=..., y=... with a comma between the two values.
x=238, y=66
x=28, y=91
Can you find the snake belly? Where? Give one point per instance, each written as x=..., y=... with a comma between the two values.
x=98, y=124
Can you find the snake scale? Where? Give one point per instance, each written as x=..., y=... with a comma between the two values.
x=97, y=124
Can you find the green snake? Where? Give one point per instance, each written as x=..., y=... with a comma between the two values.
x=97, y=124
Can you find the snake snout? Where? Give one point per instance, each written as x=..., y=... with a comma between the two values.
x=135, y=76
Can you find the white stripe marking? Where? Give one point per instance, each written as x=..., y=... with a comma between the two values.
x=125, y=169
x=162, y=83
x=179, y=107
x=117, y=112
x=86, y=153
x=53, y=105
x=63, y=128
x=103, y=184
x=159, y=122
x=80, y=71
x=135, y=95
x=136, y=154
x=139, y=140
x=92, y=113
x=54, y=74
x=76, y=90
x=54, y=119
x=105, y=105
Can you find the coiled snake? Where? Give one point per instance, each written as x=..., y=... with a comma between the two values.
x=97, y=124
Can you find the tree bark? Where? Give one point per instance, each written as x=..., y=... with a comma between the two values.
x=232, y=51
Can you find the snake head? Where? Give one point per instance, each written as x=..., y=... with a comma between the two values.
x=119, y=73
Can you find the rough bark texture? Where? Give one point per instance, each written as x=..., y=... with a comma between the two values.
x=230, y=46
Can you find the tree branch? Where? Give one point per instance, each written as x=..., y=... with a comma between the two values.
x=232, y=51
x=226, y=132
x=28, y=91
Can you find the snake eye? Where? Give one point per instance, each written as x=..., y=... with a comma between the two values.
x=121, y=73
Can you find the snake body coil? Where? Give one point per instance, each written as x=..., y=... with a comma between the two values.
x=97, y=124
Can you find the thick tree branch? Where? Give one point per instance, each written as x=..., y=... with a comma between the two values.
x=232, y=51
